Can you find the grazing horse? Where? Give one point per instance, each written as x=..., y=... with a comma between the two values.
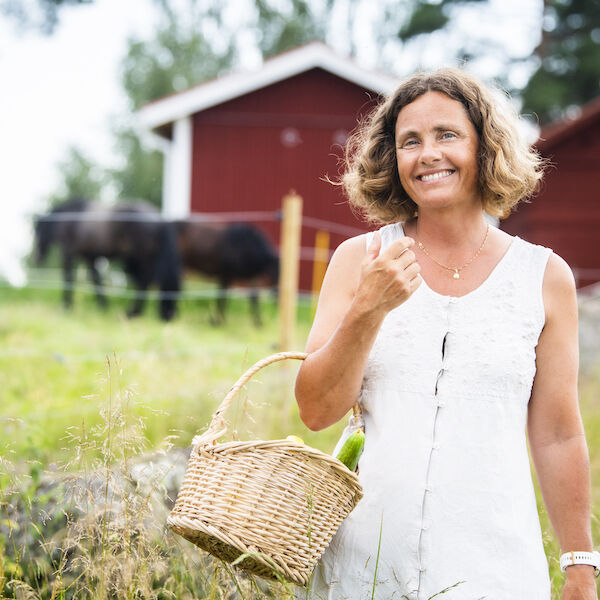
x=236, y=253
x=131, y=233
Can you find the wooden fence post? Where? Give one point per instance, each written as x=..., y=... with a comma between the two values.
x=320, y=260
x=289, y=261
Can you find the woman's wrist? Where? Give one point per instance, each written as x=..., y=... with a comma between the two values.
x=580, y=572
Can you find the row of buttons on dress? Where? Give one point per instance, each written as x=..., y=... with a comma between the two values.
x=434, y=447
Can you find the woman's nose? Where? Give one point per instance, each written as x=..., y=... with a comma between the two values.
x=430, y=152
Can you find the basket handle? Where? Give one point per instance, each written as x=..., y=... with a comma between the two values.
x=217, y=426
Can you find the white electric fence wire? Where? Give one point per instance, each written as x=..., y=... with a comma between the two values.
x=223, y=217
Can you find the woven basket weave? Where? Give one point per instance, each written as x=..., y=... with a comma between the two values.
x=276, y=504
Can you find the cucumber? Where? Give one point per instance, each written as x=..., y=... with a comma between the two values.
x=352, y=449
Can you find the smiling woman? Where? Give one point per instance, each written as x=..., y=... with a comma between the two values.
x=452, y=346
x=507, y=169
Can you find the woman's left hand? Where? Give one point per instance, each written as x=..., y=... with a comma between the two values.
x=580, y=583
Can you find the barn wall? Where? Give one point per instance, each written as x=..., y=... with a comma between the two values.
x=251, y=151
x=565, y=215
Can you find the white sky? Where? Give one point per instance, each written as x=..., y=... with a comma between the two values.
x=57, y=91
x=63, y=90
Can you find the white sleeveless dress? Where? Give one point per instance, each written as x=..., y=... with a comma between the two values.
x=449, y=500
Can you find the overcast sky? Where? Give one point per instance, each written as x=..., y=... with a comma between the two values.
x=57, y=91
x=63, y=90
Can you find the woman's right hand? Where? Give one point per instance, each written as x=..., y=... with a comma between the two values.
x=388, y=277
x=360, y=288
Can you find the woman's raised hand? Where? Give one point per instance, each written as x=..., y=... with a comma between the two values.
x=388, y=277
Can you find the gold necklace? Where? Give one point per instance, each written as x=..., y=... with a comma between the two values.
x=457, y=270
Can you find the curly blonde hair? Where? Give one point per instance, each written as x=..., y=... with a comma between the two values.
x=509, y=170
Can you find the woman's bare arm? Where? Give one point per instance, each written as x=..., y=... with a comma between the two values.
x=359, y=289
x=556, y=434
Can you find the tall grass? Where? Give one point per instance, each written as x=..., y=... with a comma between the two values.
x=95, y=527
x=92, y=405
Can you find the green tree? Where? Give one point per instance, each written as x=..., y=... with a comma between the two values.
x=428, y=17
x=140, y=177
x=568, y=57
x=283, y=27
x=80, y=177
x=42, y=15
x=179, y=56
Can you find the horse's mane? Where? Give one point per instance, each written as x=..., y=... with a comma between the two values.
x=74, y=204
x=81, y=204
x=135, y=206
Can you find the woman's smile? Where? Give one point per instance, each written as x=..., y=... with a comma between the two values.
x=435, y=176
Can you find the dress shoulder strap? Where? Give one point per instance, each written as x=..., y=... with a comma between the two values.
x=388, y=233
x=528, y=266
x=531, y=260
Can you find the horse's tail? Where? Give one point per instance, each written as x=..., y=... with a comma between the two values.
x=168, y=270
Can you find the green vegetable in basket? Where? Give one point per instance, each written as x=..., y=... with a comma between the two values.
x=352, y=449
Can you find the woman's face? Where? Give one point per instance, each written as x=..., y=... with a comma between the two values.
x=436, y=152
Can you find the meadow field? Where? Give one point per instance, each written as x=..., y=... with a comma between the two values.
x=87, y=395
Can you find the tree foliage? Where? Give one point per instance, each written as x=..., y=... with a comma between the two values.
x=282, y=28
x=42, y=15
x=140, y=176
x=81, y=177
x=568, y=72
x=179, y=56
x=426, y=18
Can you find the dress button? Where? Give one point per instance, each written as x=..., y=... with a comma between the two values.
x=436, y=446
x=425, y=525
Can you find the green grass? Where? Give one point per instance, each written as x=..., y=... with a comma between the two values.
x=53, y=370
x=85, y=390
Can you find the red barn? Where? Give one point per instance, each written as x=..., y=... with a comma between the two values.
x=565, y=214
x=241, y=142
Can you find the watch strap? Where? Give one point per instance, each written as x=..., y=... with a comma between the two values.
x=580, y=558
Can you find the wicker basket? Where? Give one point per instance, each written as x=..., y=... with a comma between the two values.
x=274, y=505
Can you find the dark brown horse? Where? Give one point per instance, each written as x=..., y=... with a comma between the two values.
x=231, y=254
x=133, y=233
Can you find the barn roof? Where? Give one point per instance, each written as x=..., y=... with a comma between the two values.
x=171, y=108
x=560, y=131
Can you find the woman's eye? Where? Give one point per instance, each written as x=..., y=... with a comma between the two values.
x=408, y=143
x=447, y=135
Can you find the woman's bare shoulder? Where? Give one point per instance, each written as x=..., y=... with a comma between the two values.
x=352, y=247
x=559, y=286
x=558, y=276
x=338, y=290
x=344, y=267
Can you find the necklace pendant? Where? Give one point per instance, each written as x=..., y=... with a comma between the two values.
x=456, y=274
